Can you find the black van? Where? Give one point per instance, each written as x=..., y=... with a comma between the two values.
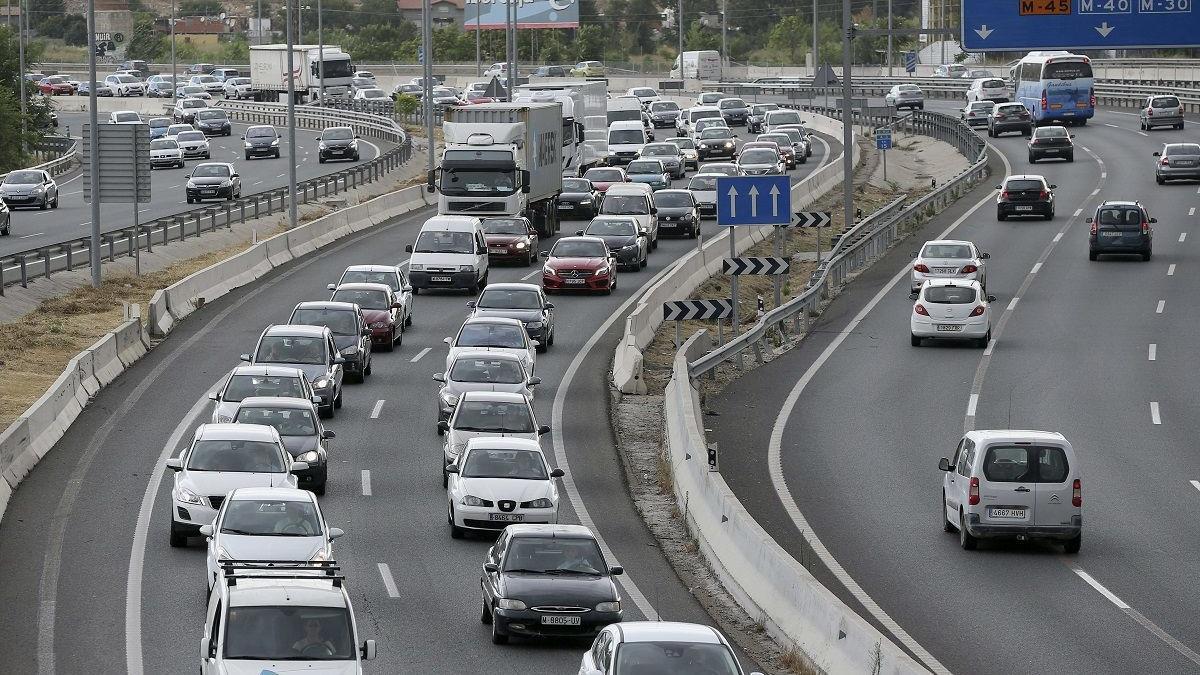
x=1121, y=227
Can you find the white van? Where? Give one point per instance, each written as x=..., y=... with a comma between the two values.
x=451, y=252
x=701, y=65
x=625, y=141
x=685, y=125
x=778, y=118
x=634, y=200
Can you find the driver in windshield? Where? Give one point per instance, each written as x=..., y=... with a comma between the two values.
x=294, y=521
x=312, y=640
x=576, y=560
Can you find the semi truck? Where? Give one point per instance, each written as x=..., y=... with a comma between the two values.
x=502, y=159
x=584, y=109
x=268, y=71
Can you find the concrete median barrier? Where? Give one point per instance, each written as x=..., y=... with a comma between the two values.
x=15, y=459
x=277, y=249
x=84, y=365
x=161, y=321
x=106, y=363
x=129, y=341
x=51, y=415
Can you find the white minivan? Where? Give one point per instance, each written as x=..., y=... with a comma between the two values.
x=625, y=141
x=451, y=252
x=634, y=200
x=1013, y=484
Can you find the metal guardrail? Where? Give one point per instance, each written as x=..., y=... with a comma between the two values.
x=861, y=245
x=386, y=108
x=66, y=255
x=58, y=165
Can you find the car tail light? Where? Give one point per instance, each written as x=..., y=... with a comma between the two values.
x=978, y=311
x=999, y=117
x=973, y=494
x=920, y=309
x=1043, y=195
x=1077, y=493
x=1004, y=195
x=1045, y=103
x=1095, y=228
x=969, y=269
x=1145, y=227
x=920, y=267
x=1149, y=112
x=1093, y=99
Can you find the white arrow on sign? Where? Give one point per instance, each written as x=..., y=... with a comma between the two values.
x=733, y=193
x=1104, y=29
x=984, y=31
x=753, y=201
x=774, y=201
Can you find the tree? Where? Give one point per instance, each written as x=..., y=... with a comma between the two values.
x=44, y=11
x=147, y=43
x=200, y=8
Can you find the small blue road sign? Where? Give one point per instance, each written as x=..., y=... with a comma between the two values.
x=754, y=200
x=910, y=62
x=883, y=139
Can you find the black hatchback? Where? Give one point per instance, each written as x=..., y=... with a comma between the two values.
x=1048, y=142
x=1025, y=195
x=1121, y=227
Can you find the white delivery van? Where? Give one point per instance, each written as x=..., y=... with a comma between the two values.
x=451, y=252
x=634, y=200
x=625, y=141
x=701, y=65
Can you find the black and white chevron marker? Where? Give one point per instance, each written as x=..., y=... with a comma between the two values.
x=813, y=219
x=686, y=310
x=755, y=266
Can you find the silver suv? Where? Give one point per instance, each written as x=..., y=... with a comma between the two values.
x=1161, y=111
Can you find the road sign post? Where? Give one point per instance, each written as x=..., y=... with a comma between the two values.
x=123, y=174
x=883, y=143
x=817, y=219
x=695, y=310
x=1021, y=25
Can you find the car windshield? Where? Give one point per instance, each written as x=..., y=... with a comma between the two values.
x=763, y=108
x=950, y=295
x=644, y=167
x=387, y=278
x=792, y=135
x=503, y=463
x=571, y=185
x=611, y=228
x=626, y=136
x=561, y=555
x=126, y=79
x=493, y=416
x=732, y=103
x=491, y=335
x=176, y=129
x=260, y=132
x=164, y=144
x=509, y=298
x=339, y=134
x=238, y=456
x=643, y=92
x=338, y=321
x=288, y=633
x=660, y=150
x=127, y=117
x=703, y=183
x=207, y=170
x=624, y=205
x=437, y=241
x=781, y=139
x=495, y=371
x=199, y=136
x=958, y=251
x=287, y=421
x=291, y=349
x=1022, y=184
x=715, y=132
x=194, y=103
x=1170, y=150
x=673, y=200
x=992, y=84
x=663, y=106
x=784, y=117
x=1165, y=102
x=684, y=143
x=709, y=99
x=674, y=658
x=367, y=299
x=604, y=175
x=23, y=177
x=578, y=248
x=516, y=226
x=244, y=386
x=271, y=518
x=759, y=156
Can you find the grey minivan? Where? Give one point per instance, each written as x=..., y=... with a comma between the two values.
x=1161, y=111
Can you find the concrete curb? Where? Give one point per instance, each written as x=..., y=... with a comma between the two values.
x=106, y=364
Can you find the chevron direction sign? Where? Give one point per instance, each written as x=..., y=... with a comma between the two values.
x=688, y=310
x=755, y=266
x=813, y=219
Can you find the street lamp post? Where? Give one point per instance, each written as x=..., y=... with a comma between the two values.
x=478, y=61
x=724, y=46
x=94, y=143
x=21, y=64
x=291, y=120
x=174, y=67
x=847, y=122
x=321, y=56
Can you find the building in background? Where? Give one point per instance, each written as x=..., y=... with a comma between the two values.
x=445, y=12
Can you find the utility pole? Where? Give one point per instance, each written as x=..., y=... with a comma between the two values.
x=427, y=80
x=889, y=58
x=724, y=46
x=815, y=59
x=321, y=57
x=942, y=22
x=293, y=219
x=509, y=44
x=679, y=27
x=174, y=67
x=94, y=142
x=260, y=30
x=478, y=30
x=21, y=58
x=847, y=122
x=299, y=21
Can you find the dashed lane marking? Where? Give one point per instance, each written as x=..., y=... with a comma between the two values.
x=421, y=353
x=1153, y=351
x=1155, y=418
x=1161, y=304
x=376, y=410
x=388, y=582
x=366, y=482
x=1171, y=270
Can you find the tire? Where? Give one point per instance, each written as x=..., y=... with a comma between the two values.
x=982, y=343
x=208, y=155
x=541, y=348
x=4, y=231
x=1071, y=157
x=178, y=539
x=456, y=532
x=276, y=153
x=54, y=205
x=321, y=160
x=1000, y=215
x=1159, y=180
x=1071, y=546
x=550, y=340
x=965, y=540
x=528, y=263
x=1146, y=256
x=189, y=200
x=247, y=157
x=1032, y=160
x=1050, y=216
x=319, y=490
x=45, y=204
x=485, y=616
x=391, y=345
x=914, y=340
x=498, y=638
x=1092, y=255
x=946, y=525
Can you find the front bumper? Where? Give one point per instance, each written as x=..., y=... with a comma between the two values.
x=675, y=225
x=621, y=158
x=210, y=193
x=316, y=473
x=165, y=161
x=1005, y=127
x=735, y=119
x=422, y=279
x=706, y=207
x=262, y=150
x=629, y=257
x=580, y=208
x=189, y=517
x=1052, y=532
x=975, y=327
x=720, y=151
x=223, y=130
x=382, y=336
x=663, y=123
x=527, y=623
x=23, y=200
x=339, y=153
x=327, y=394
x=588, y=283
x=194, y=152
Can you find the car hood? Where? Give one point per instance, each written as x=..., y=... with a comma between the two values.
x=347, y=667
x=344, y=341
x=576, y=590
x=574, y=196
x=503, y=239
x=191, y=144
x=243, y=547
x=576, y=263
x=616, y=241
x=497, y=489
x=207, y=181
x=261, y=140
x=375, y=315
x=519, y=314
x=674, y=211
x=218, y=483
x=213, y=123
x=298, y=445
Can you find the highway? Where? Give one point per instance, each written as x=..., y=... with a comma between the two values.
x=88, y=527
x=73, y=217
x=1101, y=351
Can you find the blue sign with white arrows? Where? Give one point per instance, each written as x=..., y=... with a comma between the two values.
x=754, y=200
x=1020, y=25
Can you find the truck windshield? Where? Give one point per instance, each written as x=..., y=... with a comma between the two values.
x=456, y=181
x=288, y=633
x=335, y=68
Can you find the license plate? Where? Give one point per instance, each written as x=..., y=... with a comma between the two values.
x=497, y=250
x=575, y=281
x=1051, y=151
x=442, y=280
x=506, y=517
x=945, y=270
x=1024, y=208
x=208, y=192
x=558, y=620
x=1110, y=234
x=1183, y=163
x=949, y=327
x=336, y=152
x=566, y=207
x=1010, y=514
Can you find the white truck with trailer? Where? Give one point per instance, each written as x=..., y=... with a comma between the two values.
x=268, y=71
x=584, y=108
x=502, y=159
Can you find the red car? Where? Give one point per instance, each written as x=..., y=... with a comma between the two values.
x=380, y=309
x=579, y=264
x=56, y=85
x=511, y=238
x=604, y=177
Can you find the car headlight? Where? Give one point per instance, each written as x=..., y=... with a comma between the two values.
x=275, y=142
x=521, y=244
x=601, y=272
x=585, y=200
x=310, y=456
x=509, y=603
x=38, y=190
x=321, y=383
x=542, y=503
x=729, y=144
x=466, y=268
x=629, y=247
x=226, y=183
x=704, y=146
x=470, y=500
x=186, y=496
x=379, y=324
x=322, y=146
x=614, y=606
x=449, y=400
x=549, y=270
x=249, y=145
x=534, y=324
x=319, y=556
x=413, y=267
x=456, y=449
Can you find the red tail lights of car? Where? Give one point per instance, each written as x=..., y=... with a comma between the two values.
x=1044, y=102
x=1165, y=162
x=978, y=311
x=1095, y=227
x=920, y=267
x=920, y=309
x=973, y=495
x=1093, y=99
x=1145, y=227
x=969, y=269
x=1149, y=112
x=1004, y=195
x=1044, y=194
x=1077, y=493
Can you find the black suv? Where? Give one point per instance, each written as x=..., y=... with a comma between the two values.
x=1007, y=117
x=1121, y=227
x=1025, y=195
x=1051, y=142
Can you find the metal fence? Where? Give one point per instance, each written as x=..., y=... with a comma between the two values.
x=387, y=108
x=863, y=244
x=66, y=255
x=66, y=150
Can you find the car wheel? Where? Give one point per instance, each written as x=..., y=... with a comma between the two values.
x=1071, y=546
x=54, y=205
x=1071, y=157
x=319, y=490
x=498, y=638
x=325, y=411
x=456, y=532
x=982, y=343
x=1092, y=255
x=541, y=348
x=4, y=230
x=485, y=616
x=337, y=400
x=321, y=160
x=247, y=157
x=1032, y=160
x=178, y=539
x=276, y=154
x=1000, y=215
x=947, y=526
x=531, y=259
x=1146, y=255
x=391, y=344
x=367, y=370
x=45, y=203
x=208, y=155
x=550, y=340
x=1177, y=126
x=642, y=265
x=965, y=540
x=1159, y=180
x=914, y=340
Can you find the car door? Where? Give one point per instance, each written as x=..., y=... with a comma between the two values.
x=1054, y=489
x=335, y=368
x=212, y=638
x=490, y=580
x=397, y=314
x=547, y=311
x=1007, y=479
x=954, y=478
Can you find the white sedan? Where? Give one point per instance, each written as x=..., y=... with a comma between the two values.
x=948, y=259
x=499, y=481
x=957, y=310
x=371, y=94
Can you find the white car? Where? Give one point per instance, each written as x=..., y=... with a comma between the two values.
x=165, y=152
x=185, y=110
x=124, y=117
x=220, y=459
x=482, y=371
x=905, y=96
x=988, y=89
x=125, y=85
x=497, y=70
x=720, y=169
x=372, y=94
x=251, y=381
x=644, y=94
x=487, y=414
x=976, y=113
x=364, y=74
x=952, y=309
x=703, y=187
x=493, y=334
x=193, y=144
x=948, y=259
x=273, y=523
x=174, y=130
x=1011, y=484
x=659, y=647
x=237, y=88
x=709, y=98
x=211, y=84
x=499, y=481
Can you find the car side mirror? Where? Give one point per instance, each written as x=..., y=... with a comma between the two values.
x=550, y=305
x=543, y=429
x=985, y=256
x=944, y=464
x=397, y=305
x=336, y=532
x=331, y=287
x=1158, y=154
x=533, y=381
x=206, y=531
x=356, y=136
x=453, y=468
x=448, y=340
x=471, y=304
x=998, y=187
x=579, y=233
x=242, y=137
x=991, y=298
x=298, y=466
x=327, y=434
x=339, y=359
x=207, y=651
x=244, y=357
x=187, y=175
x=1088, y=219
x=1072, y=135
x=557, y=473
x=616, y=570
x=175, y=464
x=368, y=650
x=318, y=398
x=491, y=568
x=408, y=248
x=643, y=233
x=1154, y=220
x=439, y=377
x=1053, y=186
x=543, y=254
x=234, y=176
x=214, y=395
x=444, y=426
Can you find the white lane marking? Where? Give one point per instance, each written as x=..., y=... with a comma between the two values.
x=257, y=182
x=1095, y=192
x=281, y=175
x=1012, y=304
x=172, y=187
x=1111, y=125
x=1154, y=416
x=1192, y=211
x=1171, y=270
x=1182, y=236
x=1196, y=484
x=1144, y=134
x=1103, y=174
x=366, y=482
x=530, y=275
x=69, y=180
x=1161, y=305
x=388, y=582
x=1099, y=587
x=1077, y=212
x=1198, y=190
x=972, y=402
x=421, y=353
x=1153, y=351
x=35, y=234
x=1058, y=237
x=991, y=346
x=1036, y=267
x=1084, y=147
x=376, y=410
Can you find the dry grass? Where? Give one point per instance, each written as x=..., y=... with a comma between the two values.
x=796, y=662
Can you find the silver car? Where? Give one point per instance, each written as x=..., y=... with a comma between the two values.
x=948, y=259
x=29, y=187
x=668, y=153
x=905, y=96
x=482, y=371
x=247, y=381
x=1177, y=161
x=704, y=190
x=1161, y=111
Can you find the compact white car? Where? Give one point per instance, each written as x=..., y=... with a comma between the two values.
x=948, y=259
x=703, y=187
x=237, y=88
x=709, y=98
x=275, y=523
x=953, y=309
x=193, y=144
x=125, y=85
x=487, y=414
x=364, y=74
x=250, y=381
x=659, y=647
x=482, y=371
x=493, y=334
x=222, y=458
x=371, y=94
x=644, y=94
x=500, y=481
x=988, y=89
x=211, y=84
x=124, y=117
x=165, y=152
x=1013, y=484
x=496, y=70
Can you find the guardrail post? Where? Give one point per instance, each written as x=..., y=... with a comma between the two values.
x=130, y=241
x=228, y=219
x=112, y=254
x=242, y=217
x=24, y=272
x=46, y=261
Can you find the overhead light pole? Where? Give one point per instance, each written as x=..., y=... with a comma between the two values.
x=847, y=122
x=321, y=57
x=174, y=66
x=478, y=58
x=94, y=150
x=724, y=46
x=427, y=80
x=293, y=218
x=815, y=58
x=679, y=27
x=889, y=59
x=21, y=58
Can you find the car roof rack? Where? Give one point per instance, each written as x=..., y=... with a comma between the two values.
x=273, y=569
